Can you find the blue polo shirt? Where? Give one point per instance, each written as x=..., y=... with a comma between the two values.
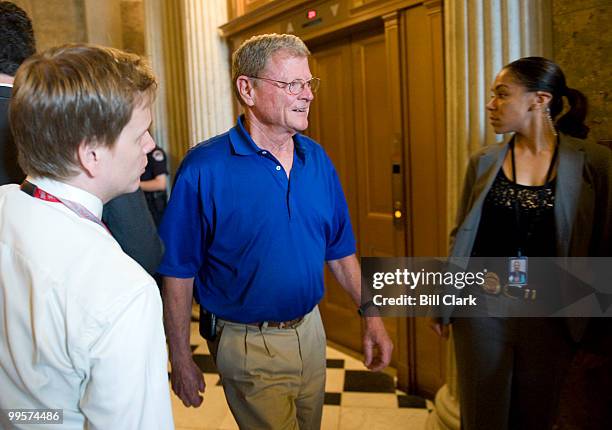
x=254, y=240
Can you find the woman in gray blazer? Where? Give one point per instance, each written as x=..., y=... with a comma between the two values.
x=543, y=193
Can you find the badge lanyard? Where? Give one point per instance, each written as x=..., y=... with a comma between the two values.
x=517, y=211
x=36, y=192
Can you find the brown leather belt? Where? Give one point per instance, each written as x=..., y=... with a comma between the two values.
x=279, y=324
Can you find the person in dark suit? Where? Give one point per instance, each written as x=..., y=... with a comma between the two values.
x=126, y=216
x=16, y=44
x=545, y=192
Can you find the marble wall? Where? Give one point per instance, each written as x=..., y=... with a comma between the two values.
x=582, y=42
x=133, y=25
x=56, y=22
x=117, y=23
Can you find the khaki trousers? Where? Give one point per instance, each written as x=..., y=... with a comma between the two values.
x=273, y=378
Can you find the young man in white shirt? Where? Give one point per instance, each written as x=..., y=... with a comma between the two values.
x=81, y=322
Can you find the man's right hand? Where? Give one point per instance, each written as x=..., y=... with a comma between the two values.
x=186, y=377
x=188, y=382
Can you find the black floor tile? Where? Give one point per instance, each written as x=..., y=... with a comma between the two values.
x=368, y=382
x=332, y=399
x=333, y=363
x=205, y=363
x=409, y=401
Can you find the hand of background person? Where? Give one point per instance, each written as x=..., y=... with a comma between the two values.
x=377, y=346
x=441, y=329
x=187, y=381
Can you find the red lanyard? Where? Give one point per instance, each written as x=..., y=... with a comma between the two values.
x=31, y=189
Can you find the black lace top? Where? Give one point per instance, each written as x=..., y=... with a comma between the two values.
x=498, y=233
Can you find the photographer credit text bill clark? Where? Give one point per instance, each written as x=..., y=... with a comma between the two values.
x=424, y=300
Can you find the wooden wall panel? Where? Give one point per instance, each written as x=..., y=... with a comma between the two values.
x=424, y=120
x=331, y=120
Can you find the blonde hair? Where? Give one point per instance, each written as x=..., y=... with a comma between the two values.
x=72, y=94
x=253, y=55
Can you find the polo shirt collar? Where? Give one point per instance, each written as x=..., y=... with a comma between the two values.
x=241, y=141
x=243, y=144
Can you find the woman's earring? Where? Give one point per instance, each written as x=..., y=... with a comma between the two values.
x=549, y=119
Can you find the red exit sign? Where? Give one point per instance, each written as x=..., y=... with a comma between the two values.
x=311, y=14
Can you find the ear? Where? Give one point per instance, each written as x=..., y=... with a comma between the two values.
x=245, y=89
x=542, y=100
x=90, y=156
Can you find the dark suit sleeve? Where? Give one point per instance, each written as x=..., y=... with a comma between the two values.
x=10, y=172
x=466, y=197
x=129, y=220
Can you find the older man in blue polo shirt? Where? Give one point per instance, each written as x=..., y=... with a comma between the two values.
x=253, y=216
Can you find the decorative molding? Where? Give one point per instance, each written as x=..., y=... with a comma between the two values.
x=259, y=15
x=358, y=14
x=391, y=19
x=433, y=4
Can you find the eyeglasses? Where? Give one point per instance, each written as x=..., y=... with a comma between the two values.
x=296, y=86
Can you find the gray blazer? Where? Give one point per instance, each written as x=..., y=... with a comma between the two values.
x=583, y=199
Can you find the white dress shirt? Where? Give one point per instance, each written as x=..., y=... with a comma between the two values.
x=80, y=321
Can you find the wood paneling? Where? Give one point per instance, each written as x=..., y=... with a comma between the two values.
x=353, y=120
x=332, y=124
x=375, y=147
x=281, y=10
x=423, y=71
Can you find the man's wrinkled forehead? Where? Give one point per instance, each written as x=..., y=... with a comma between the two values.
x=278, y=61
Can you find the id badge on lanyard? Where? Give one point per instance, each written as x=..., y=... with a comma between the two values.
x=517, y=272
x=517, y=279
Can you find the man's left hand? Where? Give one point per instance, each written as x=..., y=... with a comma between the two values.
x=377, y=346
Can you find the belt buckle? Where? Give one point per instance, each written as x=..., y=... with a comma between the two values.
x=280, y=324
x=492, y=284
x=291, y=323
x=523, y=293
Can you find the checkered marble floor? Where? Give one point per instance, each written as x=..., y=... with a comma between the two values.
x=354, y=397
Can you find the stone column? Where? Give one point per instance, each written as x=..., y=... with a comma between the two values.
x=208, y=71
x=480, y=37
x=445, y=415
x=154, y=48
x=191, y=62
x=165, y=44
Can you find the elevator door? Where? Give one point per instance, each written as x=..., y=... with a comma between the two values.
x=351, y=118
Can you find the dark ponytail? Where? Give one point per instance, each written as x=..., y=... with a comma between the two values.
x=541, y=74
x=572, y=122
